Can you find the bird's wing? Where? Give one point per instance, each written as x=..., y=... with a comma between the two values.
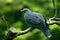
x=35, y=18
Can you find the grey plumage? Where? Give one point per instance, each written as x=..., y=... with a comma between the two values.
x=37, y=20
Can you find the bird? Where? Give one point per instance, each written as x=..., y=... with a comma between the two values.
x=36, y=20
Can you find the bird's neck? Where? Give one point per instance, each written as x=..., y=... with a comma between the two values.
x=28, y=12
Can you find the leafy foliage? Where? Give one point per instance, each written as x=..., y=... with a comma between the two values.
x=11, y=10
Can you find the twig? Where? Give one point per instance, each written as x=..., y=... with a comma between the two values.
x=3, y=18
x=55, y=8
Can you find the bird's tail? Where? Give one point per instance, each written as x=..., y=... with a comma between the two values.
x=45, y=31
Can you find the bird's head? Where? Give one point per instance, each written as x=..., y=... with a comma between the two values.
x=24, y=10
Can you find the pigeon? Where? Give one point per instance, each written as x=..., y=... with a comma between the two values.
x=36, y=20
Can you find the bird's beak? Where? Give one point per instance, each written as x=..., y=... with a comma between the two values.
x=24, y=10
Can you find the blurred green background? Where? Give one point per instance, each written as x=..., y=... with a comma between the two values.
x=11, y=10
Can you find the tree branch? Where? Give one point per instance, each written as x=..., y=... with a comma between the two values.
x=12, y=33
x=50, y=22
x=24, y=31
x=57, y=20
